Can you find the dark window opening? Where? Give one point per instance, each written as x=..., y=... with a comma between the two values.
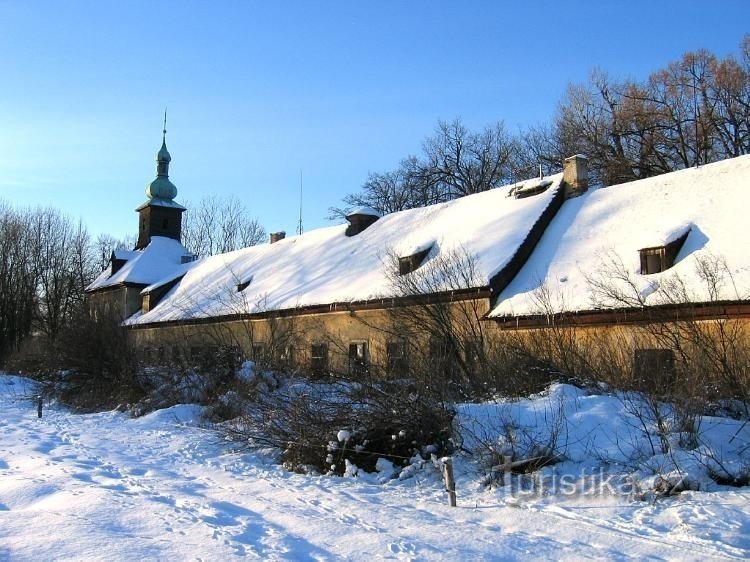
x=259, y=353
x=474, y=353
x=165, y=224
x=661, y=258
x=442, y=356
x=410, y=263
x=287, y=357
x=398, y=364
x=242, y=286
x=357, y=358
x=319, y=359
x=654, y=369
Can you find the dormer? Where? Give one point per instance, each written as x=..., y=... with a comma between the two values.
x=531, y=188
x=656, y=259
x=119, y=258
x=242, y=285
x=151, y=295
x=359, y=219
x=410, y=263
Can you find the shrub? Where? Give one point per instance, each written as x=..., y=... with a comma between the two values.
x=322, y=426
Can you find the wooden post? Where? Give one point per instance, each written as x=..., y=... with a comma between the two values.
x=39, y=406
x=450, y=482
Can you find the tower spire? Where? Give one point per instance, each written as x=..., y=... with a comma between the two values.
x=163, y=158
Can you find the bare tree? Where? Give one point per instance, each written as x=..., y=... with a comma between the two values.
x=455, y=162
x=694, y=111
x=105, y=244
x=461, y=162
x=63, y=265
x=217, y=225
x=17, y=280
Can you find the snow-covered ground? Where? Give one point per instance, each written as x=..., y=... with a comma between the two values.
x=108, y=487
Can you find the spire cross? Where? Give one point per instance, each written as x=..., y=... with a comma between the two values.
x=164, y=132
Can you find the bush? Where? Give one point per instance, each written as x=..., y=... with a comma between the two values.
x=93, y=364
x=325, y=426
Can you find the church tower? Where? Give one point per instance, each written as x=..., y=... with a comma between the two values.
x=160, y=215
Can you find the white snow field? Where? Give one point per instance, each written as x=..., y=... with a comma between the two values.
x=108, y=487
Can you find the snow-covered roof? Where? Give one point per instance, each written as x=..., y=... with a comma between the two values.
x=325, y=266
x=160, y=259
x=610, y=225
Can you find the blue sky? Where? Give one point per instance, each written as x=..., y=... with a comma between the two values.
x=259, y=91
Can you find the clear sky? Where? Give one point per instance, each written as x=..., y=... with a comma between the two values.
x=258, y=91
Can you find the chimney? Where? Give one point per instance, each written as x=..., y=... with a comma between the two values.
x=575, y=175
x=276, y=236
x=359, y=219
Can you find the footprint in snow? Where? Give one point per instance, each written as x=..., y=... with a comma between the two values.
x=402, y=549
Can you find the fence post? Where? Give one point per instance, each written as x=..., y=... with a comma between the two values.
x=450, y=482
x=39, y=406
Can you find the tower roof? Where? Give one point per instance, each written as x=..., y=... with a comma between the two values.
x=162, y=191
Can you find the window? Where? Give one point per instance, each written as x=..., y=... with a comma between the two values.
x=652, y=260
x=410, y=263
x=165, y=224
x=654, y=369
x=398, y=364
x=442, y=356
x=287, y=357
x=319, y=359
x=242, y=286
x=358, y=358
x=259, y=352
x=474, y=353
x=196, y=354
x=661, y=258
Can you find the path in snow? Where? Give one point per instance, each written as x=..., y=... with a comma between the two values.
x=105, y=487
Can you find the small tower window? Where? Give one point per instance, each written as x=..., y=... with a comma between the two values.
x=165, y=224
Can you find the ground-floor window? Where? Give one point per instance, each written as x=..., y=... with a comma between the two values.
x=398, y=364
x=319, y=359
x=358, y=358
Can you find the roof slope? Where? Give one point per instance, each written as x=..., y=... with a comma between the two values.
x=161, y=258
x=604, y=229
x=324, y=266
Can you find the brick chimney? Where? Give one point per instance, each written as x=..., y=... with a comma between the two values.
x=276, y=236
x=575, y=175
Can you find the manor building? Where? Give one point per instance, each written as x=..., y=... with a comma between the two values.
x=527, y=256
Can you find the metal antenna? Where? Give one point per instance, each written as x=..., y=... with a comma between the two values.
x=299, y=224
x=696, y=113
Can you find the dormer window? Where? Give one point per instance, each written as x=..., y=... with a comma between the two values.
x=660, y=258
x=410, y=263
x=244, y=284
x=531, y=188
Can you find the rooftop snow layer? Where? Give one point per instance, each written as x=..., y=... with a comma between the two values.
x=325, y=266
x=615, y=222
x=160, y=259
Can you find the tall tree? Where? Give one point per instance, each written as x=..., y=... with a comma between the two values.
x=17, y=281
x=217, y=225
x=455, y=162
